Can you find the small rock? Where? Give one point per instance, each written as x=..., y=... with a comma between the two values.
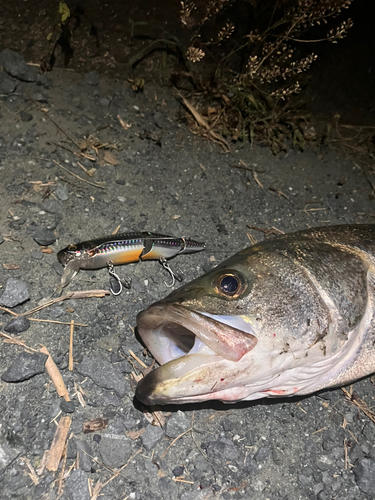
x=105, y=101
x=62, y=192
x=44, y=237
x=160, y=120
x=56, y=311
x=17, y=325
x=15, y=65
x=51, y=206
x=7, y=453
x=222, y=229
x=177, y=424
x=77, y=486
x=45, y=81
x=324, y=462
x=92, y=78
x=15, y=293
x=25, y=366
x=84, y=452
x=109, y=343
x=221, y=451
x=67, y=407
x=115, y=452
x=26, y=117
x=178, y=471
x=35, y=254
x=152, y=436
x=1, y=239
x=7, y=85
x=364, y=473
x=104, y=374
x=39, y=97
x=262, y=454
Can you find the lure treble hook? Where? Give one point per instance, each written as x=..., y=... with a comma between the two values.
x=121, y=282
x=175, y=277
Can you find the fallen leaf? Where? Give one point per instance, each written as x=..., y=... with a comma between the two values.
x=11, y=267
x=109, y=158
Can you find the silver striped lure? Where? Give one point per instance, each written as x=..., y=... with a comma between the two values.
x=123, y=249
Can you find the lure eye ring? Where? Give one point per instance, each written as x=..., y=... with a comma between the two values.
x=72, y=248
x=229, y=284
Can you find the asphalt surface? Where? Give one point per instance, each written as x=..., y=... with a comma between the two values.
x=166, y=180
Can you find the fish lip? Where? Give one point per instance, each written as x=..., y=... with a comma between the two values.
x=64, y=257
x=160, y=327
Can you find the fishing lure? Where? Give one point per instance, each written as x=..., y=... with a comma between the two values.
x=124, y=249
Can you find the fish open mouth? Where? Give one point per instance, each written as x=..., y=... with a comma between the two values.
x=183, y=341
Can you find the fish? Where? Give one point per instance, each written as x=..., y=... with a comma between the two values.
x=122, y=249
x=288, y=316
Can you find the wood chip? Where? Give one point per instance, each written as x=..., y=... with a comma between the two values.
x=94, y=425
x=58, y=444
x=11, y=267
x=55, y=375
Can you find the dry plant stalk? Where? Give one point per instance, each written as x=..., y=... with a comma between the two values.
x=271, y=58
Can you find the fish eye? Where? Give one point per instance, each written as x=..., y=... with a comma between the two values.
x=230, y=284
x=72, y=248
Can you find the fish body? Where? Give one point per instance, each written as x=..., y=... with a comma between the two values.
x=288, y=316
x=122, y=249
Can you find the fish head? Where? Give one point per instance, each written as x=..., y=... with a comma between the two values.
x=78, y=252
x=255, y=326
x=74, y=258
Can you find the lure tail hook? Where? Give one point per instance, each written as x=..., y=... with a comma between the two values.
x=121, y=282
x=175, y=277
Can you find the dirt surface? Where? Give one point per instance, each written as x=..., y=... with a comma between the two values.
x=167, y=180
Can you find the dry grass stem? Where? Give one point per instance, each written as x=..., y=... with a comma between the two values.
x=70, y=365
x=78, y=177
x=355, y=399
x=83, y=294
x=173, y=442
x=137, y=359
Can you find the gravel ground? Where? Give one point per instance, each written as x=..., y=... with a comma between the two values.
x=165, y=180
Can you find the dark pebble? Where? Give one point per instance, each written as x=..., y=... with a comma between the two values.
x=7, y=85
x=67, y=406
x=44, y=237
x=222, y=450
x=116, y=451
x=1, y=239
x=104, y=374
x=77, y=486
x=17, y=325
x=222, y=229
x=15, y=65
x=39, y=97
x=178, y=471
x=364, y=473
x=35, y=254
x=51, y=206
x=15, y=293
x=25, y=366
x=92, y=78
x=26, y=117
